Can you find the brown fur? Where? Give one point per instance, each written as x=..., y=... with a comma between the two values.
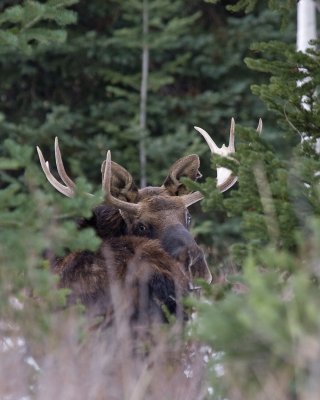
x=147, y=252
x=150, y=281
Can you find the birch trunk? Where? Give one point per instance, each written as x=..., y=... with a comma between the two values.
x=306, y=23
x=306, y=31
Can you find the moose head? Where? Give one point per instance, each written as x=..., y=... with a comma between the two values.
x=154, y=213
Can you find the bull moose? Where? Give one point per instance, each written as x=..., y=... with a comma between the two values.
x=147, y=249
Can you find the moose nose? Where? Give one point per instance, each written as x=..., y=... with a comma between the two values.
x=178, y=242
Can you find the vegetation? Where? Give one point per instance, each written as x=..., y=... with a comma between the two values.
x=262, y=319
x=73, y=69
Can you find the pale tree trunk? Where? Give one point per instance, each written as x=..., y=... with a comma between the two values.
x=144, y=94
x=306, y=23
x=306, y=31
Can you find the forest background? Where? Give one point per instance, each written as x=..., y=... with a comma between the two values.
x=73, y=69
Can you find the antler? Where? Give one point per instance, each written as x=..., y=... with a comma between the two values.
x=259, y=127
x=70, y=188
x=225, y=177
x=131, y=208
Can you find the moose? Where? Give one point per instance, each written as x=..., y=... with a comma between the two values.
x=147, y=249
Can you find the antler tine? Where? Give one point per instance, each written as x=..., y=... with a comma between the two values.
x=106, y=176
x=212, y=146
x=224, y=150
x=191, y=198
x=260, y=126
x=60, y=167
x=65, y=190
x=131, y=208
x=231, y=136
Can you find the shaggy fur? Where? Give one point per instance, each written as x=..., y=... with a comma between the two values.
x=151, y=282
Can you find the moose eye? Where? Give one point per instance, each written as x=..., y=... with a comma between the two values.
x=142, y=228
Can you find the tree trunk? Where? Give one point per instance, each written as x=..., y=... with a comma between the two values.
x=306, y=31
x=306, y=23
x=144, y=94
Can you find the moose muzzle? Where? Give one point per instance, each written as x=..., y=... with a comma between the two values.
x=179, y=243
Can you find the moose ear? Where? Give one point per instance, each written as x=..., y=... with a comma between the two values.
x=122, y=184
x=185, y=167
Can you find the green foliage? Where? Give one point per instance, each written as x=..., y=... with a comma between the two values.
x=34, y=227
x=265, y=330
x=261, y=320
x=283, y=6
x=197, y=76
x=282, y=94
x=22, y=26
x=32, y=223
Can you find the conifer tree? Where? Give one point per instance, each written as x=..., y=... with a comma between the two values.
x=194, y=66
x=262, y=320
x=29, y=227
x=22, y=25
